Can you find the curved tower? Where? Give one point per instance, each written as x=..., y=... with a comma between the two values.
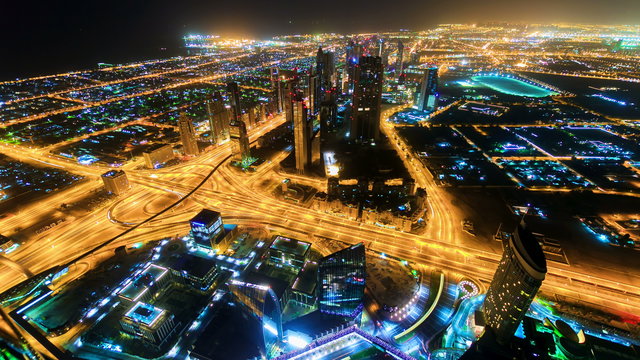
x=519, y=275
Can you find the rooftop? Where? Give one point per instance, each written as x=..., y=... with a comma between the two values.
x=205, y=217
x=144, y=313
x=112, y=173
x=307, y=278
x=291, y=246
x=194, y=265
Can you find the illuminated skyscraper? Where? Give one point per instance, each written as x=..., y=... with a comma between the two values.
x=187, y=135
x=353, y=54
x=302, y=132
x=311, y=91
x=367, y=99
x=240, y=139
x=325, y=69
x=428, y=96
x=519, y=275
x=288, y=89
x=218, y=118
x=400, y=58
x=342, y=281
x=234, y=98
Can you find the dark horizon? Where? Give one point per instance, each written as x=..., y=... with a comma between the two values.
x=47, y=38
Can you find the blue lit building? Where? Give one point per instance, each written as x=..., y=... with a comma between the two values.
x=262, y=301
x=341, y=280
x=428, y=96
x=207, y=228
x=148, y=322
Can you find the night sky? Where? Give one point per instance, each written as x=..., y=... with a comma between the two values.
x=42, y=37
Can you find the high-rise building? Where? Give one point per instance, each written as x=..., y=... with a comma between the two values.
x=276, y=88
x=234, y=98
x=519, y=275
x=288, y=90
x=239, y=139
x=157, y=155
x=400, y=58
x=367, y=99
x=187, y=135
x=325, y=70
x=218, y=118
x=353, y=54
x=115, y=181
x=311, y=91
x=263, y=303
x=328, y=115
x=206, y=228
x=341, y=279
x=302, y=133
x=428, y=96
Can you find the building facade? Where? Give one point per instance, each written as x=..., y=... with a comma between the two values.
x=519, y=276
x=240, y=139
x=218, y=118
x=302, y=132
x=341, y=282
x=188, y=135
x=206, y=228
x=157, y=156
x=115, y=182
x=428, y=96
x=367, y=100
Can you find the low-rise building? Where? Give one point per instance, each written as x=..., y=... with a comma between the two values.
x=115, y=182
x=148, y=322
x=157, y=156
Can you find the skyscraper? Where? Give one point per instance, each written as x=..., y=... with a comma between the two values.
x=353, y=54
x=519, y=275
x=288, y=89
x=342, y=281
x=367, y=99
x=328, y=116
x=187, y=135
x=302, y=132
x=218, y=118
x=234, y=98
x=325, y=70
x=400, y=59
x=276, y=84
x=312, y=91
x=239, y=139
x=428, y=96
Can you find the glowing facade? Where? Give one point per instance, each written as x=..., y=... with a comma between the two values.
x=188, y=135
x=519, y=275
x=218, y=118
x=206, y=228
x=302, y=132
x=428, y=96
x=115, y=182
x=342, y=281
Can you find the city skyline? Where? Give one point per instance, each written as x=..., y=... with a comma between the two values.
x=465, y=191
x=80, y=34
